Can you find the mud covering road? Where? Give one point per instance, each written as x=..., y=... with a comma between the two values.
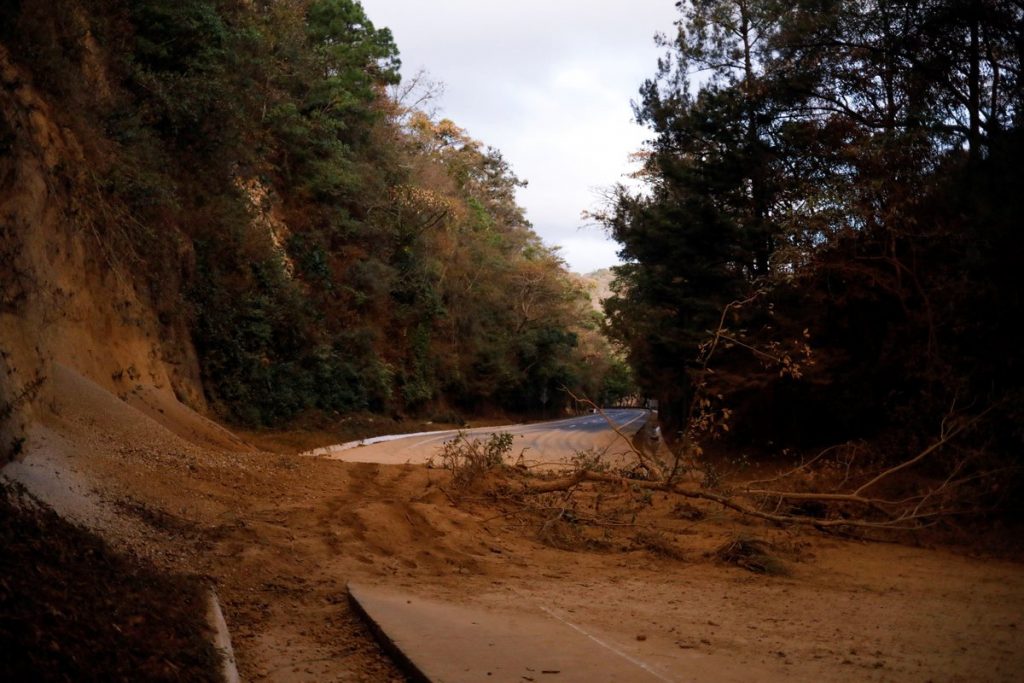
x=280, y=536
x=539, y=444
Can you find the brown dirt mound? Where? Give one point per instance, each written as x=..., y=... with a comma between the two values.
x=280, y=535
x=71, y=609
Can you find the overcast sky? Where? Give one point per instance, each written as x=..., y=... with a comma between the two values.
x=549, y=83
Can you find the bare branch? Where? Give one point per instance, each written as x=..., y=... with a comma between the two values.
x=652, y=467
x=903, y=522
x=946, y=437
x=799, y=468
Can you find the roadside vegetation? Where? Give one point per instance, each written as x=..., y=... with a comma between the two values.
x=820, y=266
x=325, y=243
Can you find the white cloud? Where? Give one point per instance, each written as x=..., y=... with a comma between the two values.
x=549, y=83
x=588, y=252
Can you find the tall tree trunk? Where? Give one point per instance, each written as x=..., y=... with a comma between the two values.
x=974, y=84
x=758, y=203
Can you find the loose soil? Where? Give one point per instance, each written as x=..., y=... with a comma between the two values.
x=73, y=610
x=280, y=535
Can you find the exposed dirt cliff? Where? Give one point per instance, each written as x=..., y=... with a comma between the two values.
x=67, y=295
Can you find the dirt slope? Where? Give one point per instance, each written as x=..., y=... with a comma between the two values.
x=64, y=297
x=280, y=535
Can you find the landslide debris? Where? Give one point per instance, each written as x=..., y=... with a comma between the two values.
x=72, y=609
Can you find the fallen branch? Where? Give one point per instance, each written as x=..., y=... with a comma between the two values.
x=858, y=508
x=945, y=438
x=652, y=467
x=895, y=510
x=903, y=522
x=895, y=514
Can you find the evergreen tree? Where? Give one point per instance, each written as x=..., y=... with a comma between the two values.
x=805, y=147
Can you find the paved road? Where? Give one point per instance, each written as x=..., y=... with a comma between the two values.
x=540, y=443
x=453, y=643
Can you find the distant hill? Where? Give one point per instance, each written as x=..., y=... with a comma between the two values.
x=599, y=283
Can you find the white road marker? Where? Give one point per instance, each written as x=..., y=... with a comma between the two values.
x=611, y=648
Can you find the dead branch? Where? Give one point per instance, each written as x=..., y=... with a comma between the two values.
x=946, y=436
x=909, y=513
x=859, y=508
x=900, y=522
x=800, y=468
x=889, y=509
x=652, y=467
x=718, y=335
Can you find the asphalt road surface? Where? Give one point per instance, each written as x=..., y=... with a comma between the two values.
x=542, y=443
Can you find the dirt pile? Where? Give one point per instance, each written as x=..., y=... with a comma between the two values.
x=74, y=610
x=65, y=297
x=281, y=535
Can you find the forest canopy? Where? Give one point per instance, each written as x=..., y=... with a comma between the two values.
x=833, y=191
x=327, y=246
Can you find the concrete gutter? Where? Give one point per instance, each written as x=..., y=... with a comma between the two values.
x=222, y=638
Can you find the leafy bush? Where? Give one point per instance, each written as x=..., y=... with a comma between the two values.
x=469, y=459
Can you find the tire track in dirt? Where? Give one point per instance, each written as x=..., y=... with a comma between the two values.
x=381, y=523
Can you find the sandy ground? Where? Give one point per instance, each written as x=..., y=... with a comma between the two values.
x=280, y=535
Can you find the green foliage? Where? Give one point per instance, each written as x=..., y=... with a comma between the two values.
x=354, y=55
x=617, y=383
x=326, y=250
x=265, y=358
x=180, y=65
x=854, y=161
x=182, y=37
x=707, y=229
x=469, y=459
x=505, y=316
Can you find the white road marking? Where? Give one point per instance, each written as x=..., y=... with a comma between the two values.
x=611, y=648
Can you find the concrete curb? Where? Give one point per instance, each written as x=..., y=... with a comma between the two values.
x=404, y=662
x=222, y=638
